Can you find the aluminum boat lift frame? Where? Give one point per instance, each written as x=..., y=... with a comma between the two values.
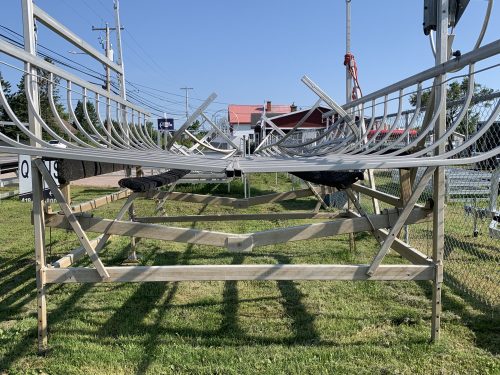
x=129, y=141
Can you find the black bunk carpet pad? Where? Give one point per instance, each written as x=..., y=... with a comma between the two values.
x=71, y=170
x=337, y=179
x=143, y=184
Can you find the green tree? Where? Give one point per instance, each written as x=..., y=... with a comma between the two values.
x=6, y=90
x=8, y=130
x=80, y=116
x=19, y=103
x=455, y=92
x=194, y=127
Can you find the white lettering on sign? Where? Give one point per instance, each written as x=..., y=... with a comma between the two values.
x=25, y=187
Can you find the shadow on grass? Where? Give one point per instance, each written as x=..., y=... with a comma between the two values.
x=302, y=321
x=485, y=324
x=14, y=304
x=451, y=243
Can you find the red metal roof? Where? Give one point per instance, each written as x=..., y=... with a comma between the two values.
x=242, y=114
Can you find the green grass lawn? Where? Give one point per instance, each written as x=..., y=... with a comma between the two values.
x=247, y=327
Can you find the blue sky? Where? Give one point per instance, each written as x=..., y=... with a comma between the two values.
x=251, y=51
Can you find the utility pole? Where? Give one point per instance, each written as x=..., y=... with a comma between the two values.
x=186, y=89
x=108, y=51
x=109, y=54
x=348, y=92
x=348, y=78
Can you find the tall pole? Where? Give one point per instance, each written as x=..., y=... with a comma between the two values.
x=348, y=78
x=439, y=189
x=119, y=50
x=107, y=49
x=348, y=91
x=186, y=89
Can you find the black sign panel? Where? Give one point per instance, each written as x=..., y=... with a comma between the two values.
x=166, y=124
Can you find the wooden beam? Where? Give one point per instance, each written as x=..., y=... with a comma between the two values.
x=268, y=237
x=402, y=219
x=402, y=248
x=74, y=255
x=153, y=231
x=341, y=226
x=241, y=272
x=278, y=197
x=371, y=181
x=237, y=202
x=192, y=198
x=95, y=203
x=72, y=220
x=384, y=197
x=231, y=217
x=405, y=184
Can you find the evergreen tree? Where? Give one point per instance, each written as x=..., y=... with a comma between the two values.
x=6, y=90
x=80, y=116
x=19, y=103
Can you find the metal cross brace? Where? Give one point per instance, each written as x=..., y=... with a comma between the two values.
x=318, y=91
x=190, y=120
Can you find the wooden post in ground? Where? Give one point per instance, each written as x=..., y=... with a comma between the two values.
x=66, y=190
x=31, y=86
x=439, y=187
x=39, y=229
x=405, y=187
x=132, y=257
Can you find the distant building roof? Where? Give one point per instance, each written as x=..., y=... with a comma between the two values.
x=313, y=121
x=251, y=113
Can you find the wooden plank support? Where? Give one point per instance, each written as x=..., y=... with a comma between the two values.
x=384, y=249
x=234, y=217
x=405, y=185
x=191, y=198
x=236, y=202
x=97, y=243
x=263, y=238
x=152, y=231
x=73, y=221
x=40, y=254
x=362, y=213
x=74, y=255
x=384, y=197
x=95, y=203
x=279, y=197
x=317, y=195
x=402, y=248
x=341, y=226
x=241, y=272
x=9, y=194
x=371, y=181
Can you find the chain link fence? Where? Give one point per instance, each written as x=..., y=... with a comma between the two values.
x=472, y=209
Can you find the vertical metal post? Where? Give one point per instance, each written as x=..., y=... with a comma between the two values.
x=119, y=60
x=31, y=85
x=348, y=79
x=439, y=182
x=186, y=89
x=108, y=81
x=348, y=91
